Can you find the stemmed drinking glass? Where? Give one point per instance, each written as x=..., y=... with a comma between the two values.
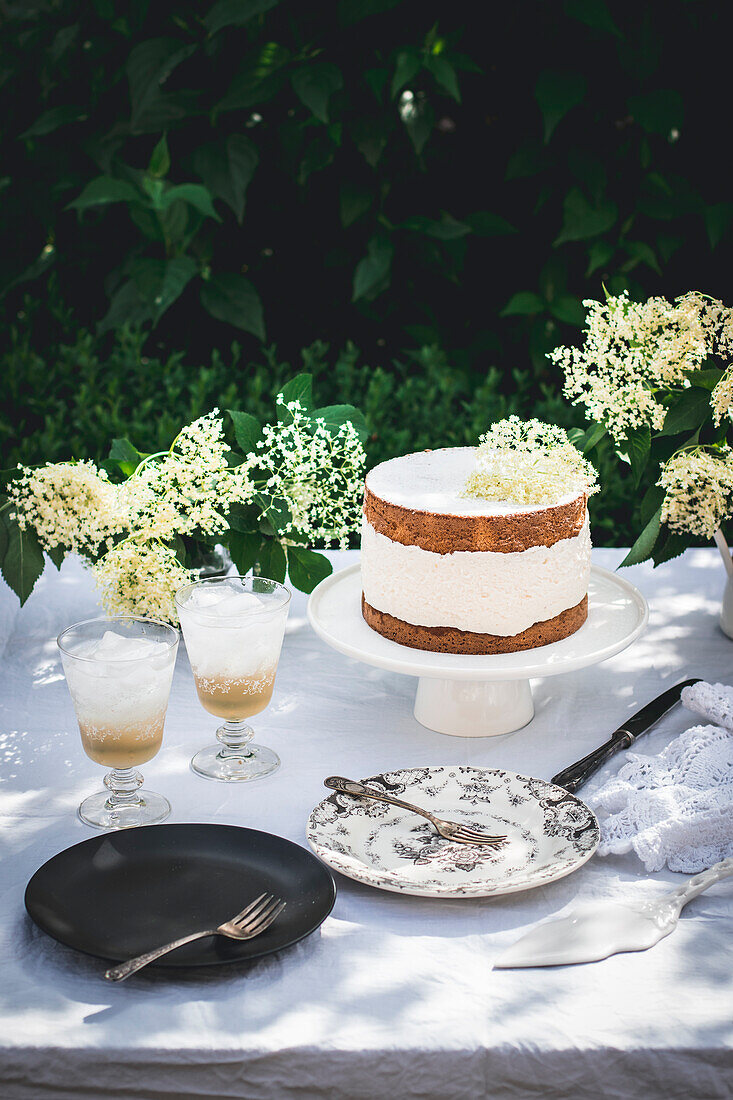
x=233, y=627
x=119, y=673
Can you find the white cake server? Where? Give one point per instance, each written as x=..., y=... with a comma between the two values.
x=594, y=932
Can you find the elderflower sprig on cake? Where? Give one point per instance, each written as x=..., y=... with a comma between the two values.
x=657, y=377
x=529, y=462
x=295, y=485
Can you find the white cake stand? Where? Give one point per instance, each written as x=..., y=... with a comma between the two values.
x=479, y=696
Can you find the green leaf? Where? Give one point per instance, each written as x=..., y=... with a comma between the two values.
x=485, y=224
x=524, y=302
x=444, y=74
x=161, y=282
x=644, y=545
x=125, y=456
x=718, y=218
x=334, y=416
x=690, y=410
x=372, y=273
x=448, y=229
x=244, y=518
x=674, y=545
x=227, y=170
x=314, y=85
x=22, y=562
x=407, y=66
x=257, y=81
x=127, y=307
x=583, y=220
x=235, y=13
x=275, y=515
x=160, y=160
x=369, y=137
x=353, y=202
x=195, y=194
x=233, y=299
x=658, y=112
x=39, y=267
x=245, y=549
x=63, y=39
x=529, y=159
x=594, y=13
x=568, y=309
x=57, y=554
x=318, y=154
x=599, y=256
x=247, y=430
x=272, y=560
x=557, y=93
x=656, y=198
x=299, y=388
x=377, y=79
x=640, y=252
x=53, y=119
x=105, y=189
x=586, y=440
x=148, y=67
x=419, y=123
x=307, y=568
x=638, y=446
x=705, y=379
x=651, y=500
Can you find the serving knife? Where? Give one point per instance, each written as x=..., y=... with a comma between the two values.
x=594, y=932
x=573, y=777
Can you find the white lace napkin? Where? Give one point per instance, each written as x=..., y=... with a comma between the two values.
x=711, y=701
x=676, y=807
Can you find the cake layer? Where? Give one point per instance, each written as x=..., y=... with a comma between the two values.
x=442, y=639
x=479, y=591
x=418, y=500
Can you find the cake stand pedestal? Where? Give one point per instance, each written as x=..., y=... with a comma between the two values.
x=479, y=696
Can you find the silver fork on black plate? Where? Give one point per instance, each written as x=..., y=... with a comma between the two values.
x=251, y=922
x=451, y=830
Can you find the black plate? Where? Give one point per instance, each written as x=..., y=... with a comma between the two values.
x=123, y=893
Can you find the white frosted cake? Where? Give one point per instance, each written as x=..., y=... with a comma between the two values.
x=449, y=572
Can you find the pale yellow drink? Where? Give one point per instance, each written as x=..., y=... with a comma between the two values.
x=122, y=746
x=238, y=698
x=119, y=673
x=234, y=629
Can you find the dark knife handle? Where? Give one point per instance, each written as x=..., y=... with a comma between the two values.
x=573, y=777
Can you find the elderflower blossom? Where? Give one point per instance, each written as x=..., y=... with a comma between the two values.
x=317, y=472
x=128, y=533
x=71, y=505
x=721, y=398
x=141, y=578
x=698, y=491
x=529, y=462
x=633, y=349
x=189, y=488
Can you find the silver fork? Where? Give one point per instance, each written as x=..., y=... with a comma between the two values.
x=251, y=922
x=451, y=830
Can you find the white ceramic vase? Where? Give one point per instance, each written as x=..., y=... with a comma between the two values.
x=726, y=610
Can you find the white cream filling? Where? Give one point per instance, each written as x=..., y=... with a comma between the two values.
x=482, y=591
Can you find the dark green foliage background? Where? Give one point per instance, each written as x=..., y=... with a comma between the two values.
x=436, y=185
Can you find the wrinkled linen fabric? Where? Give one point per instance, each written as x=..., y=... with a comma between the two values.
x=394, y=995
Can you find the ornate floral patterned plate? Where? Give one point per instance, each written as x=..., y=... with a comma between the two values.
x=550, y=833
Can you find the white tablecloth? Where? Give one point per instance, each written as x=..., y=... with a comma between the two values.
x=394, y=994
